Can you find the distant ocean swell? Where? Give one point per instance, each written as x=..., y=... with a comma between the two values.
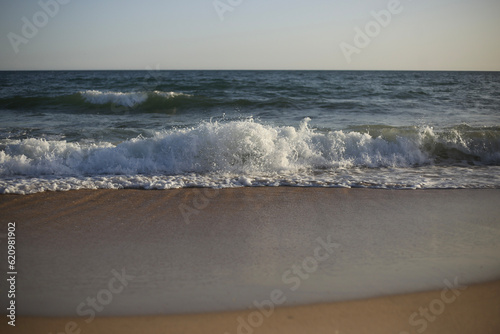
x=98, y=99
x=156, y=101
x=247, y=148
x=131, y=99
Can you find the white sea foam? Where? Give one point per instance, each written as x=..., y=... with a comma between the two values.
x=248, y=153
x=428, y=177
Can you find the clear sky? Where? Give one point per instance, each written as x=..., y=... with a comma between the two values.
x=250, y=34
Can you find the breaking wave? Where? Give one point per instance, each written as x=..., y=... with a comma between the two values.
x=129, y=100
x=249, y=147
x=113, y=101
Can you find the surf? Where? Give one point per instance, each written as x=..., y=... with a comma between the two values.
x=248, y=146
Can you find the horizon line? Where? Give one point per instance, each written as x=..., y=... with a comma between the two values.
x=263, y=70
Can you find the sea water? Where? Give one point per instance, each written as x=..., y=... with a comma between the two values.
x=66, y=130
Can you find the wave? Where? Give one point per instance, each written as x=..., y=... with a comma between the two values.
x=249, y=146
x=100, y=101
x=247, y=152
x=110, y=102
x=131, y=99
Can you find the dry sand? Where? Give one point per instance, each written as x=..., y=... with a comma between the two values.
x=190, y=252
x=476, y=310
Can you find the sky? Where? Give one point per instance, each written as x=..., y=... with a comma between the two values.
x=250, y=34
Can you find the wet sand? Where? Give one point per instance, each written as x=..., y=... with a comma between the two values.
x=180, y=253
x=476, y=310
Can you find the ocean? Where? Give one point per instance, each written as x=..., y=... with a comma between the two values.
x=64, y=130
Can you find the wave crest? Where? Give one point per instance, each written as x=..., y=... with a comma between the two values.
x=130, y=99
x=249, y=147
x=249, y=153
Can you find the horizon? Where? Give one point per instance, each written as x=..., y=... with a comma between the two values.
x=381, y=35
x=242, y=70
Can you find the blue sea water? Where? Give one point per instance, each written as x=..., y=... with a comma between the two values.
x=66, y=130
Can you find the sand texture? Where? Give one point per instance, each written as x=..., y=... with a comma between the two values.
x=191, y=259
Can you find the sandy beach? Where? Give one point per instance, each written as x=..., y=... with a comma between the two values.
x=304, y=259
x=250, y=167
x=476, y=311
